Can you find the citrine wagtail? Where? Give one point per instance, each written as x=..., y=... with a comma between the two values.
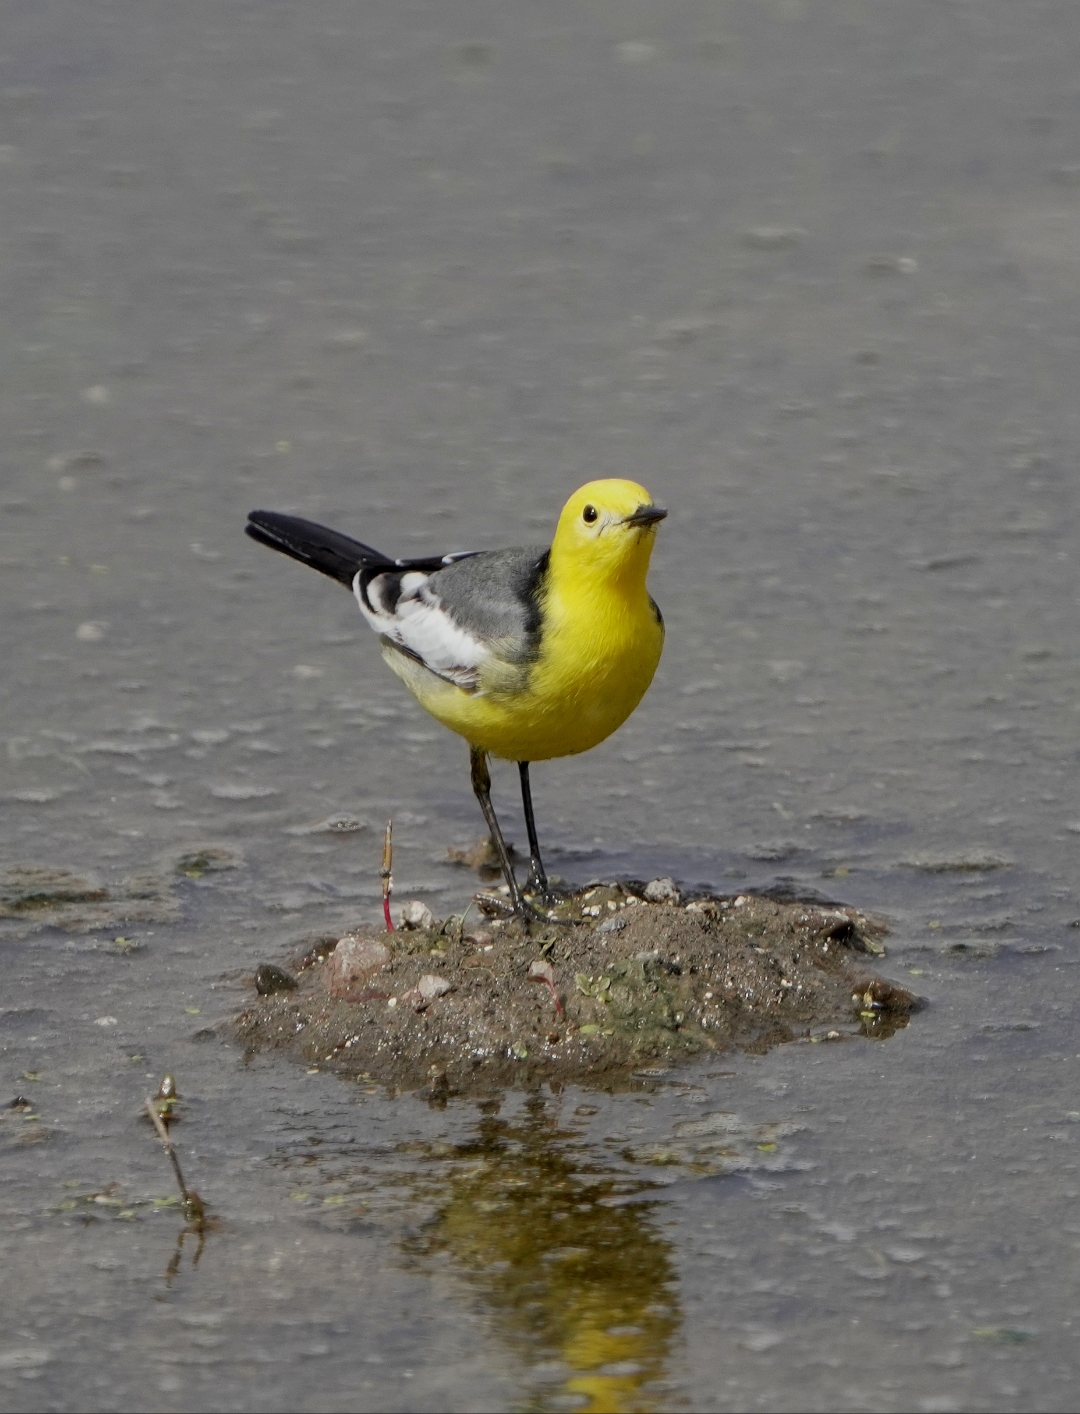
x=527, y=653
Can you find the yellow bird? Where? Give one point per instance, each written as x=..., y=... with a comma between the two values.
x=527, y=653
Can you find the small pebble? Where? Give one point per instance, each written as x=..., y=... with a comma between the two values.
x=415, y=914
x=478, y=936
x=340, y=824
x=430, y=986
x=354, y=960
x=424, y=993
x=438, y=1082
x=661, y=891
x=612, y=925
x=270, y=979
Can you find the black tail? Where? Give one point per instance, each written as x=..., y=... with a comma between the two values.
x=323, y=549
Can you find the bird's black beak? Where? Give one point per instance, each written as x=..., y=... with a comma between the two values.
x=645, y=516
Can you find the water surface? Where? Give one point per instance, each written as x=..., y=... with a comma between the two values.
x=808, y=272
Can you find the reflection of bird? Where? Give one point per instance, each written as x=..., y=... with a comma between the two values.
x=527, y=653
x=567, y=1254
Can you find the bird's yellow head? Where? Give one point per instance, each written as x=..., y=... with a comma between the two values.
x=607, y=527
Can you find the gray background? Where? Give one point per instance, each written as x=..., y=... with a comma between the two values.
x=808, y=271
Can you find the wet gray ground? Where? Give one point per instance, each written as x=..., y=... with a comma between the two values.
x=809, y=272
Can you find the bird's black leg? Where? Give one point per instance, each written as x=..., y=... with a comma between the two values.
x=538, y=885
x=538, y=880
x=481, y=784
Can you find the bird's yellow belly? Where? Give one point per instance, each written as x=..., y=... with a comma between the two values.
x=586, y=681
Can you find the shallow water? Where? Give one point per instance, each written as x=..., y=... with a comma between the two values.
x=808, y=272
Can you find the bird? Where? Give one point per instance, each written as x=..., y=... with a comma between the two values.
x=528, y=653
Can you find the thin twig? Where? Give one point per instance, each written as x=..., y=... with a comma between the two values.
x=193, y=1207
x=385, y=875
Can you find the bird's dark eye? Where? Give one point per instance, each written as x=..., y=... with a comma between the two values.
x=589, y=514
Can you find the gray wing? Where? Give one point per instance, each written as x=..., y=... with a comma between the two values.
x=455, y=618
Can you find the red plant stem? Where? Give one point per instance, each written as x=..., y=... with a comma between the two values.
x=385, y=873
x=554, y=993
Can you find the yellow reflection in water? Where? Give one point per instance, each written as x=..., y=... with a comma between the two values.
x=572, y=1271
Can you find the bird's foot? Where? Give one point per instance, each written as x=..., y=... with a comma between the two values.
x=546, y=898
x=544, y=892
x=525, y=910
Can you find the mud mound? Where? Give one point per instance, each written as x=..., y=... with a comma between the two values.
x=621, y=985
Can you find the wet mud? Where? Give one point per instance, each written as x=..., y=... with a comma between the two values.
x=615, y=985
x=38, y=896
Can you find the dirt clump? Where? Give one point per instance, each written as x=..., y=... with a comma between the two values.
x=618, y=985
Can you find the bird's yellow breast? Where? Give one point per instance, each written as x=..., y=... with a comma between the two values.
x=600, y=642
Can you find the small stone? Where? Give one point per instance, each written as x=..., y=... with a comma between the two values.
x=438, y=1083
x=270, y=979
x=340, y=824
x=480, y=936
x=353, y=961
x=415, y=914
x=661, y=891
x=431, y=986
x=424, y=993
x=612, y=925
